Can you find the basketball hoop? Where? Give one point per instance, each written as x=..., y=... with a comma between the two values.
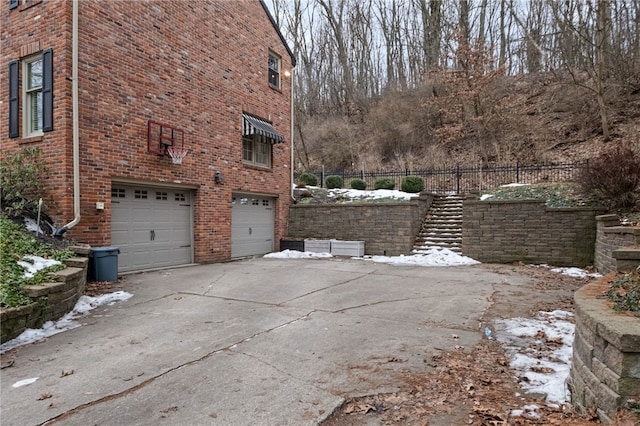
x=176, y=154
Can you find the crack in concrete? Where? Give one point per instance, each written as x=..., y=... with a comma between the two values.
x=330, y=286
x=111, y=397
x=445, y=325
x=230, y=299
x=212, y=283
x=380, y=302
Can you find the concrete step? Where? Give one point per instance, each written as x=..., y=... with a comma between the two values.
x=427, y=249
x=442, y=226
x=441, y=236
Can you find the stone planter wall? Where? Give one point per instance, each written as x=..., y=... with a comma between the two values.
x=386, y=228
x=51, y=301
x=611, y=237
x=605, y=372
x=528, y=231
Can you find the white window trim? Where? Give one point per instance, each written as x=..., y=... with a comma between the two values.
x=256, y=140
x=278, y=59
x=26, y=98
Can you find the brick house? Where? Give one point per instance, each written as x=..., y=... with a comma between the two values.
x=212, y=77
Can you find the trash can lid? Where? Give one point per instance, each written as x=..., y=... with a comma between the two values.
x=110, y=248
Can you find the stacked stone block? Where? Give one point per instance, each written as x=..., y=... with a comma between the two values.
x=51, y=300
x=386, y=228
x=605, y=371
x=528, y=231
x=611, y=238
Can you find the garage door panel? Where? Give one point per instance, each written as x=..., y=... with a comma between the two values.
x=252, y=225
x=152, y=227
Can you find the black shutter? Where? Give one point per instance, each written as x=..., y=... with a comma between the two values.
x=13, y=4
x=47, y=90
x=14, y=99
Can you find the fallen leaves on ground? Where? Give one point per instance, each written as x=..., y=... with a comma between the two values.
x=478, y=382
x=96, y=288
x=475, y=386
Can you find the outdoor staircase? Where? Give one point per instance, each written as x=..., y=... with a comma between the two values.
x=442, y=225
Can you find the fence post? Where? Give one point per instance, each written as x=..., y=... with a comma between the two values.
x=322, y=178
x=517, y=172
x=458, y=178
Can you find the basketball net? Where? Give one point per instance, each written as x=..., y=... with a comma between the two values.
x=176, y=154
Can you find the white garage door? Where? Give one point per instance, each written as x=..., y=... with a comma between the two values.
x=151, y=226
x=252, y=225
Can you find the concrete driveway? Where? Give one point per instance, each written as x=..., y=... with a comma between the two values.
x=255, y=342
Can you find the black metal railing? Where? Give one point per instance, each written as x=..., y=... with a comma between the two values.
x=465, y=179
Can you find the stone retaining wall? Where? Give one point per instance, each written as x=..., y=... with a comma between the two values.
x=50, y=300
x=528, y=231
x=605, y=372
x=386, y=228
x=611, y=237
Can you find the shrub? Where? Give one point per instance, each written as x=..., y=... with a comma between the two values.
x=412, y=184
x=333, y=181
x=614, y=177
x=358, y=184
x=384, y=183
x=308, y=179
x=22, y=178
x=625, y=292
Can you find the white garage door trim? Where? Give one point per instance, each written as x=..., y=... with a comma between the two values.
x=252, y=224
x=152, y=226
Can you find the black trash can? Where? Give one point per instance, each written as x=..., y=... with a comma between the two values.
x=103, y=263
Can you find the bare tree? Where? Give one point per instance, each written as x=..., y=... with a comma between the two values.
x=431, y=12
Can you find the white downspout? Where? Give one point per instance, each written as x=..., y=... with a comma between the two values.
x=292, y=128
x=76, y=136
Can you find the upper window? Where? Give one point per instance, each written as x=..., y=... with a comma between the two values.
x=33, y=96
x=36, y=92
x=25, y=3
x=274, y=70
x=256, y=150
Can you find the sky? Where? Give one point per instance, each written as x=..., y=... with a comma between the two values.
x=539, y=348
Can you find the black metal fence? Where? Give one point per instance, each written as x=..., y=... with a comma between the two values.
x=462, y=179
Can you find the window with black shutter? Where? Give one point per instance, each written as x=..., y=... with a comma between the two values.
x=37, y=94
x=13, y=4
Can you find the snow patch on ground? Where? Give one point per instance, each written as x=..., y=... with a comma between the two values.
x=32, y=225
x=295, y=254
x=571, y=271
x=576, y=272
x=24, y=382
x=434, y=256
x=429, y=257
x=84, y=305
x=33, y=264
x=540, y=350
x=513, y=185
x=356, y=194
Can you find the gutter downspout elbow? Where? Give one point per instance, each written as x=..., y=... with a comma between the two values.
x=76, y=137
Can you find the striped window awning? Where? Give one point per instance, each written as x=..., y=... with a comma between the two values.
x=254, y=126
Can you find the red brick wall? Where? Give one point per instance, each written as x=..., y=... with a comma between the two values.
x=194, y=65
x=27, y=31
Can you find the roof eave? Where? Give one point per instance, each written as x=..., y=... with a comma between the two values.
x=275, y=27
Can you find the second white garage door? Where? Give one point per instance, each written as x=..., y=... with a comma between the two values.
x=252, y=225
x=151, y=226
